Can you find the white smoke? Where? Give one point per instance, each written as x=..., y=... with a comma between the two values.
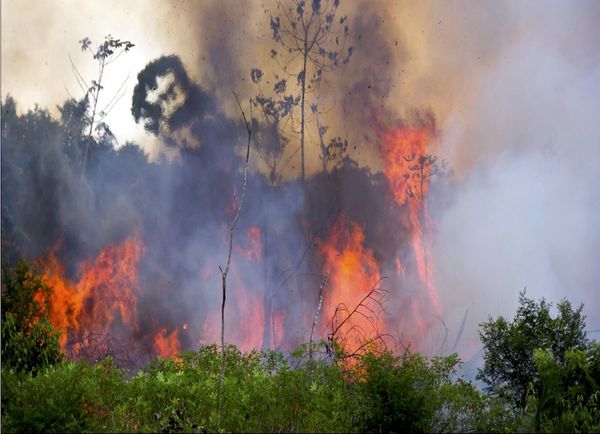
x=526, y=214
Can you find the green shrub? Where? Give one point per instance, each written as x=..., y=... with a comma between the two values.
x=568, y=396
x=70, y=397
x=29, y=341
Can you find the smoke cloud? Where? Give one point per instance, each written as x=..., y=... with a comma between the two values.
x=525, y=212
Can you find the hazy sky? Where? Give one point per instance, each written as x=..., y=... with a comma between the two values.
x=514, y=86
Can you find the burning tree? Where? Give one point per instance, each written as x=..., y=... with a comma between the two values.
x=409, y=167
x=353, y=305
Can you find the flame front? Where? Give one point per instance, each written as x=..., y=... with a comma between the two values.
x=102, y=302
x=353, y=273
x=166, y=344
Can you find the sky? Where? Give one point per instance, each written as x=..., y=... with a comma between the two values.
x=514, y=87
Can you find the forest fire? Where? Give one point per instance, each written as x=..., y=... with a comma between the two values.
x=102, y=303
x=350, y=305
x=408, y=168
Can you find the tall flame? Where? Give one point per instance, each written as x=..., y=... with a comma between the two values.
x=408, y=168
x=105, y=295
x=166, y=344
x=353, y=273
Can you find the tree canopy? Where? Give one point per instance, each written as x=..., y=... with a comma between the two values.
x=509, y=346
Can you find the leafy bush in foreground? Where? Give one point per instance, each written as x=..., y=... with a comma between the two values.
x=274, y=392
x=70, y=397
x=262, y=391
x=29, y=341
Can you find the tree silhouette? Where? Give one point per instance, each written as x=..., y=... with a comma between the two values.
x=313, y=42
x=105, y=54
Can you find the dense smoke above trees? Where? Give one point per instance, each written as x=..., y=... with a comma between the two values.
x=178, y=207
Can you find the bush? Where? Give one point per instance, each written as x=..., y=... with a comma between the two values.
x=412, y=394
x=29, y=341
x=568, y=398
x=70, y=397
x=509, y=366
x=262, y=392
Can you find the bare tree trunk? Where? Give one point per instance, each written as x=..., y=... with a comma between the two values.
x=225, y=271
x=302, y=106
x=312, y=330
x=460, y=332
x=324, y=156
x=267, y=297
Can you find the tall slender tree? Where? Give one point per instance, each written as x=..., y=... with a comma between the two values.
x=106, y=53
x=313, y=41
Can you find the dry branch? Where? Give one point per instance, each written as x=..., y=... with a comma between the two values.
x=224, y=272
x=369, y=308
x=312, y=331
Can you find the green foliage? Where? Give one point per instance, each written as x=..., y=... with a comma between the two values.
x=569, y=394
x=29, y=341
x=262, y=392
x=413, y=394
x=70, y=397
x=509, y=365
x=273, y=392
x=396, y=392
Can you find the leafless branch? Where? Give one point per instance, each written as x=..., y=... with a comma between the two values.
x=460, y=331
x=224, y=272
x=369, y=308
x=312, y=331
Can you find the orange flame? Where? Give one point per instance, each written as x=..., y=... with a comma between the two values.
x=408, y=168
x=352, y=273
x=244, y=316
x=104, y=296
x=166, y=345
